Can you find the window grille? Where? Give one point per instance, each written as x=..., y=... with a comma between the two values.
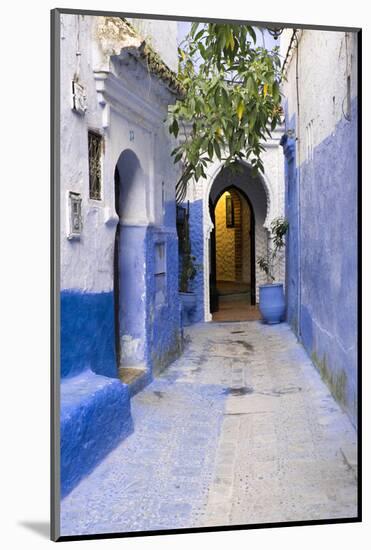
x=95, y=165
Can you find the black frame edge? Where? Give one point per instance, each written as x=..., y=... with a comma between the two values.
x=359, y=272
x=54, y=273
x=214, y=529
x=208, y=19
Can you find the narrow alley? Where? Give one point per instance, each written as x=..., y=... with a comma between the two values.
x=239, y=430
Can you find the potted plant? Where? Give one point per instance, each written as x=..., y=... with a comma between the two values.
x=271, y=297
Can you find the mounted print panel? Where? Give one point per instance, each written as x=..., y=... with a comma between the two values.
x=206, y=298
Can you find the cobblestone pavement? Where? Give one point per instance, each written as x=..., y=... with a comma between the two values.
x=239, y=430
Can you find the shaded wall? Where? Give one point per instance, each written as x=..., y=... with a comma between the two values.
x=163, y=334
x=292, y=237
x=329, y=260
x=320, y=147
x=197, y=250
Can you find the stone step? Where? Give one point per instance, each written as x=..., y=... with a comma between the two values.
x=95, y=417
x=135, y=377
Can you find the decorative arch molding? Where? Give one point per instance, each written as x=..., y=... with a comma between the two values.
x=271, y=197
x=128, y=78
x=203, y=191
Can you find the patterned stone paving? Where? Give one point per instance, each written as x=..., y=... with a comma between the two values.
x=239, y=430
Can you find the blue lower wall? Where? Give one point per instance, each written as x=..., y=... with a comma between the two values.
x=328, y=259
x=87, y=333
x=292, y=238
x=95, y=405
x=133, y=293
x=197, y=250
x=164, y=342
x=151, y=329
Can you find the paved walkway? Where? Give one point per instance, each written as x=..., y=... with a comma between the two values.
x=239, y=430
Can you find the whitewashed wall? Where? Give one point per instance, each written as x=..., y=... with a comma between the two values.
x=326, y=58
x=162, y=36
x=128, y=111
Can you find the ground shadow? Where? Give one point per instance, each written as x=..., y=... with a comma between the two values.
x=40, y=527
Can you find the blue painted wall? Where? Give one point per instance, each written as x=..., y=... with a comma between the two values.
x=328, y=249
x=292, y=238
x=164, y=342
x=155, y=326
x=197, y=250
x=133, y=293
x=87, y=333
x=95, y=405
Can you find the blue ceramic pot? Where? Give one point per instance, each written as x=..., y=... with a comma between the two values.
x=188, y=302
x=272, y=303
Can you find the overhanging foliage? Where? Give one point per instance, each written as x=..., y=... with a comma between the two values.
x=232, y=99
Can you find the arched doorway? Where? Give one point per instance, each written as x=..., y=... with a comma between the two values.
x=232, y=273
x=250, y=189
x=129, y=267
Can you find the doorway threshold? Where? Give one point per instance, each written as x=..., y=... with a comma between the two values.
x=135, y=377
x=233, y=311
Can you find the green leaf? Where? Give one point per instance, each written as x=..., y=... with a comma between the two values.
x=217, y=149
x=225, y=98
x=252, y=118
x=175, y=128
x=210, y=149
x=276, y=91
x=252, y=33
x=251, y=85
x=194, y=28
x=198, y=36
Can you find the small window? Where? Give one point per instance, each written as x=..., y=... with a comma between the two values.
x=160, y=274
x=95, y=165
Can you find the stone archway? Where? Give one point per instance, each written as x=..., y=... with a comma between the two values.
x=264, y=204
